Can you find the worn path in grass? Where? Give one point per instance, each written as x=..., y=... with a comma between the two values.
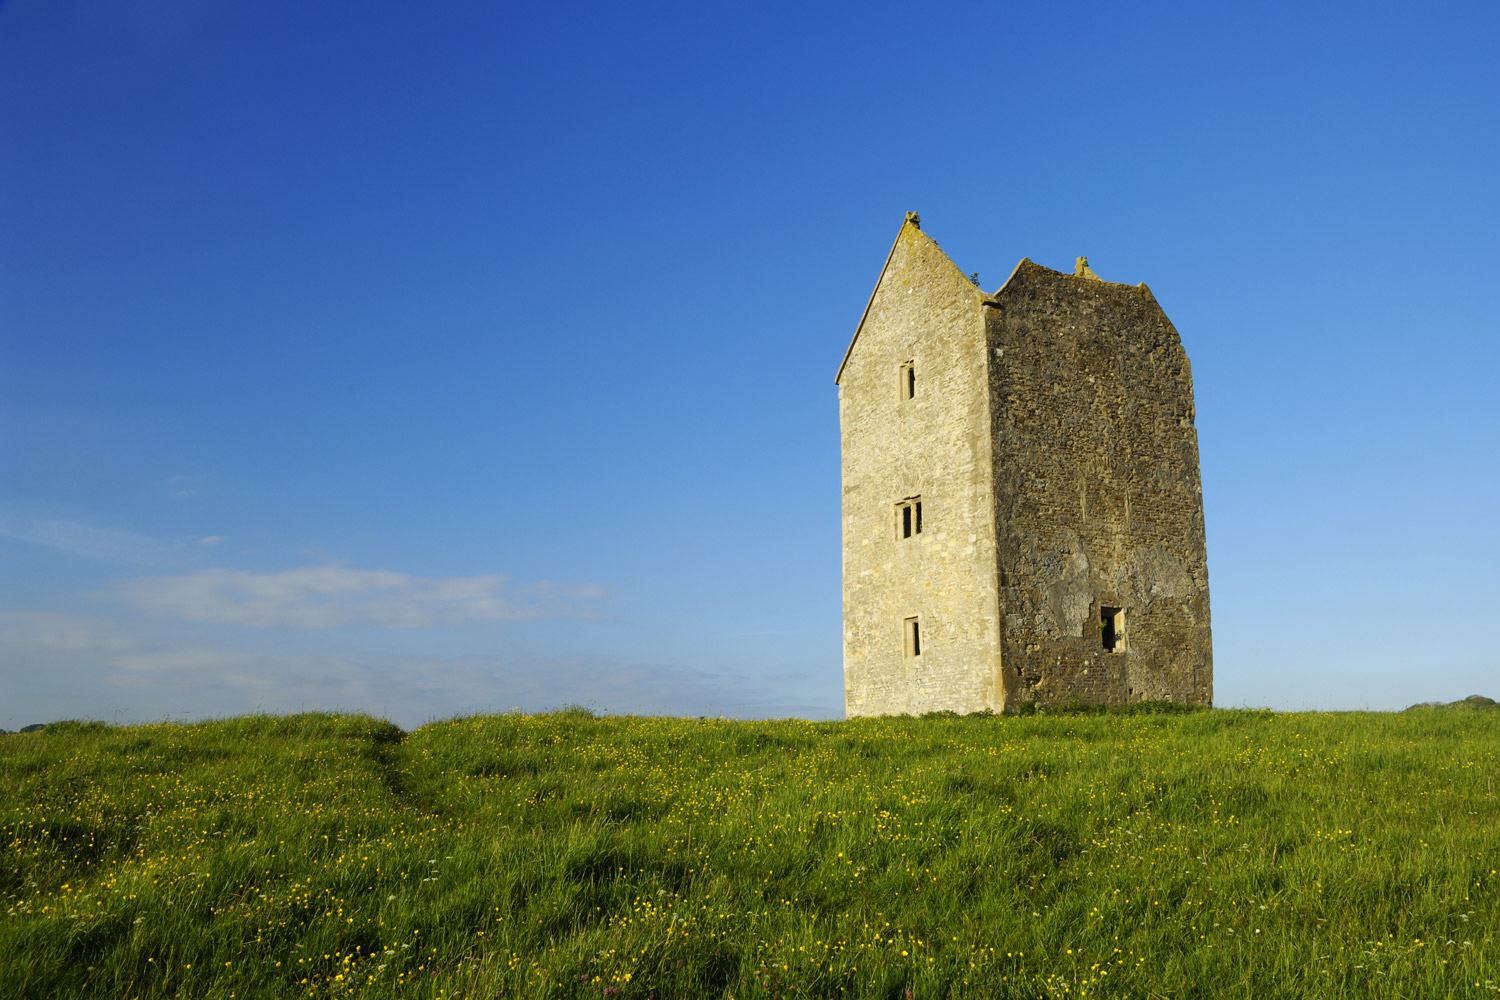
x=1203, y=854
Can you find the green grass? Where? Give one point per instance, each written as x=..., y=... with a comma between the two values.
x=1144, y=854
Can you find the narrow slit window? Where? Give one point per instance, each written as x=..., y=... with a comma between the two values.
x=913, y=630
x=909, y=517
x=909, y=380
x=1112, y=628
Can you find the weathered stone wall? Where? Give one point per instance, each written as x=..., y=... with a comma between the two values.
x=935, y=445
x=1051, y=442
x=1097, y=494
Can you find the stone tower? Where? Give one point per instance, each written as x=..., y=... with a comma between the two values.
x=1022, y=511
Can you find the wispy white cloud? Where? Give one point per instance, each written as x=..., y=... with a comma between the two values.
x=61, y=632
x=209, y=541
x=181, y=487
x=76, y=666
x=85, y=539
x=337, y=596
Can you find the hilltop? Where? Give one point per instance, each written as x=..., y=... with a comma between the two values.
x=1208, y=853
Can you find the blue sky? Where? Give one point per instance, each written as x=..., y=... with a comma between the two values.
x=446, y=358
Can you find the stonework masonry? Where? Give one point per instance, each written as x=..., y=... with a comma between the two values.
x=1022, y=509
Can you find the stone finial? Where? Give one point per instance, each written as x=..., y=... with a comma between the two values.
x=914, y=219
x=1081, y=270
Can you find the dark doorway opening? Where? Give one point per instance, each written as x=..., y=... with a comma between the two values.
x=1110, y=627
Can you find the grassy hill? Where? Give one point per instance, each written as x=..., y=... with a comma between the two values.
x=1147, y=854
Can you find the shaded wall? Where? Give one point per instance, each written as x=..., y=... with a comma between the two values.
x=1097, y=495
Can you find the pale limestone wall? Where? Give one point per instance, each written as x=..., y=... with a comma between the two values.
x=936, y=446
x=1097, y=492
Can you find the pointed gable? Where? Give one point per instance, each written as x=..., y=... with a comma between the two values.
x=912, y=247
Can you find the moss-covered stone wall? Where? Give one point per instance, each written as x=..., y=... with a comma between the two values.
x=1098, y=501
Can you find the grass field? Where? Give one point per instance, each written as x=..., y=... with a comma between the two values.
x=1145, y=854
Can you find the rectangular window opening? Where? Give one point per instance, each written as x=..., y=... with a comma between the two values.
x=1112, y=628
x=909, y=380
x=909, y=517
x=913, y=630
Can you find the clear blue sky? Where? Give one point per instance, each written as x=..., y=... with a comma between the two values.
x=430, y=359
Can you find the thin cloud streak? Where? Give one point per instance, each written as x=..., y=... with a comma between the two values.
x=317, y=597
x=73, y=666
x=33, y=632
x=85, y=539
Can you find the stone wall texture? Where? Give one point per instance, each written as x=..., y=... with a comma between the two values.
x=1050, y=440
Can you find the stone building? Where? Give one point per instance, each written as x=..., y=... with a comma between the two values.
x=1022, y=512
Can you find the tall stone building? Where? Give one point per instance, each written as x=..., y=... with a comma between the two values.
x=1022, y=512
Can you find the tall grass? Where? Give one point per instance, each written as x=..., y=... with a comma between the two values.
x=1204, y=854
